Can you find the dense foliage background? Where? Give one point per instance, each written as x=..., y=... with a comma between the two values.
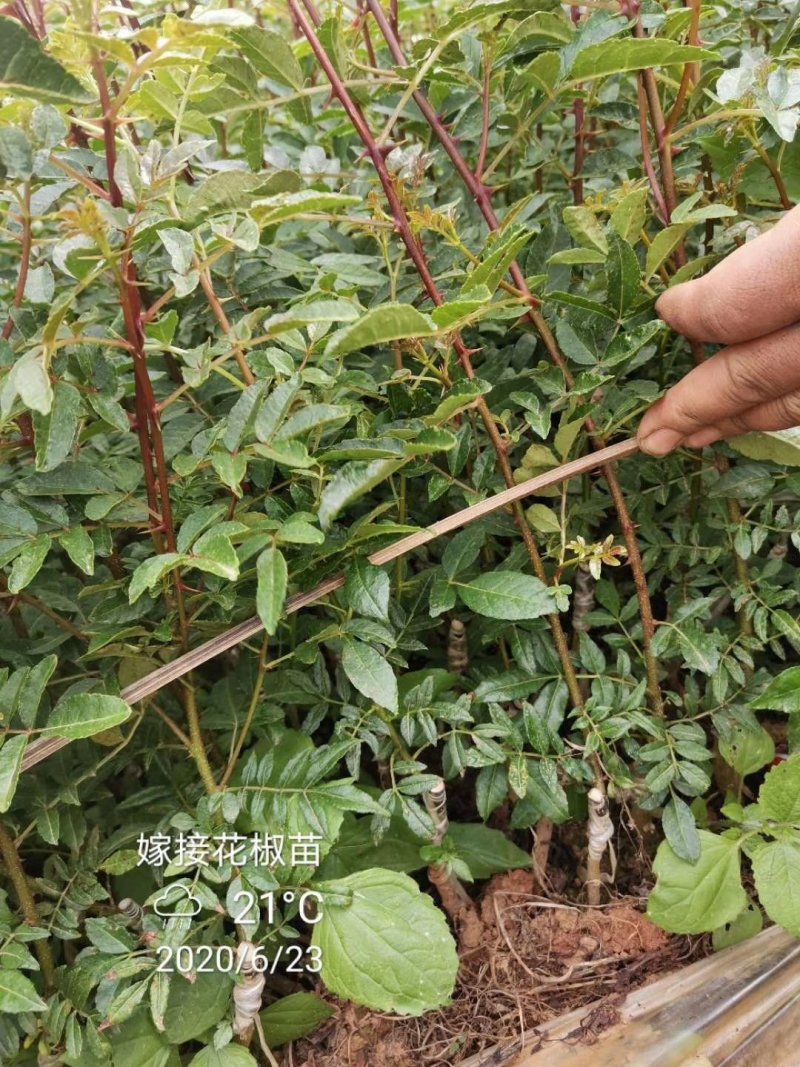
x=284, y=284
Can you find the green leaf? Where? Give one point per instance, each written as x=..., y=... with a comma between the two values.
x=700, y=653
x=28, y=563
x=693, y=898
x=214, y=554
x=270, y=54
x=293, y=1017
x=680, y=829
x=584, y=228
x=663, y=245
x=625, y=54
x=149, y=573
x=507, y=595
x=79, y=546
x=367, y=590
x=779, y=797
x=390, y=948
x=486, y=851
x=782, y=693
x=10, y=766
x=227, y=190
x=270, y=210
x=55, y=431
x=275, y=408
x=195, y=1007
x=778, y=446
x=463, y=395
x=350, y=483
x=747, y=924
x=18, y=993
x=630, y=214
x=84, y=714
x=543, y=519
x=27, y=70
x=227, y=1056
x=622, y=271
x=317, y=311
x=16, y=161
x=776, y=869
x=498, y=258
x=389, y=322
x=370, y=673
x=273, y=576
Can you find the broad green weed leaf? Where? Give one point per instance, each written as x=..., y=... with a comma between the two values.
x=691, y=898
x=776, y=869
x=389, y=948
x=782, y=693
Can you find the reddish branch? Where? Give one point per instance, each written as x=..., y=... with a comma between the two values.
x=417, y=255
x=487, y=80
x=148, y=426
x=481, y=194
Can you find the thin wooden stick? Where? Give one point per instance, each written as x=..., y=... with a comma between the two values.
x=170, y=672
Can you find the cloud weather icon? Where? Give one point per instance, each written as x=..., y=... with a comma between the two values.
x=172, y=902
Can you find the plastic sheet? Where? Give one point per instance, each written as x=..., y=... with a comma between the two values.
x=737, y=1008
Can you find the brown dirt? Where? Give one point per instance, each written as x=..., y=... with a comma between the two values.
x=527, y=959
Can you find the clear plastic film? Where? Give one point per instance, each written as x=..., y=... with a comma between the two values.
x=738, y=1008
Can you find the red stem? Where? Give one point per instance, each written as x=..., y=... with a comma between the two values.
x=419, y=260
x=481, y=195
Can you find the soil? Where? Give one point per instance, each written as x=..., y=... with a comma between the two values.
x=525, y=959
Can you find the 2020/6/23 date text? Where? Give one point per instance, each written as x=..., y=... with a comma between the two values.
x=185, y=959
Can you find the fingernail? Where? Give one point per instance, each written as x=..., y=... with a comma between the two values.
x=660, y=442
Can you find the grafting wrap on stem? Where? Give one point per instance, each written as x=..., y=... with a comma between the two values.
x=170, y=672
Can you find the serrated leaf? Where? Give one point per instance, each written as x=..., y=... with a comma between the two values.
x=55, y=431
x=778, y=446
x=273, y=576
x=486, y=851
x=693, y=898
x=776, y=869
x=83, y=714
x=293, y=1017
x=663, y=245
x=389, y=322
x=507, y=595
x=625, y=54
x=622, y=271
x=389, y=948
x=79, y=546
x=350, y=483
x=779, y=797
x=11, y=755
x=18, y=993
x=370, y=673
x=680, y=829
x=367, y=590
x=150, y=572
x=27, y=70
x=782, y=693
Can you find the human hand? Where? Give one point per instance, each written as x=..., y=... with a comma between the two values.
x=750, y=302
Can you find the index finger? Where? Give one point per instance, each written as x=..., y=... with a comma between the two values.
x=752, y=292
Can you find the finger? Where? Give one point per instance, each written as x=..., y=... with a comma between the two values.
x=779, y=414
x=730, y=383
x=754, y=291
